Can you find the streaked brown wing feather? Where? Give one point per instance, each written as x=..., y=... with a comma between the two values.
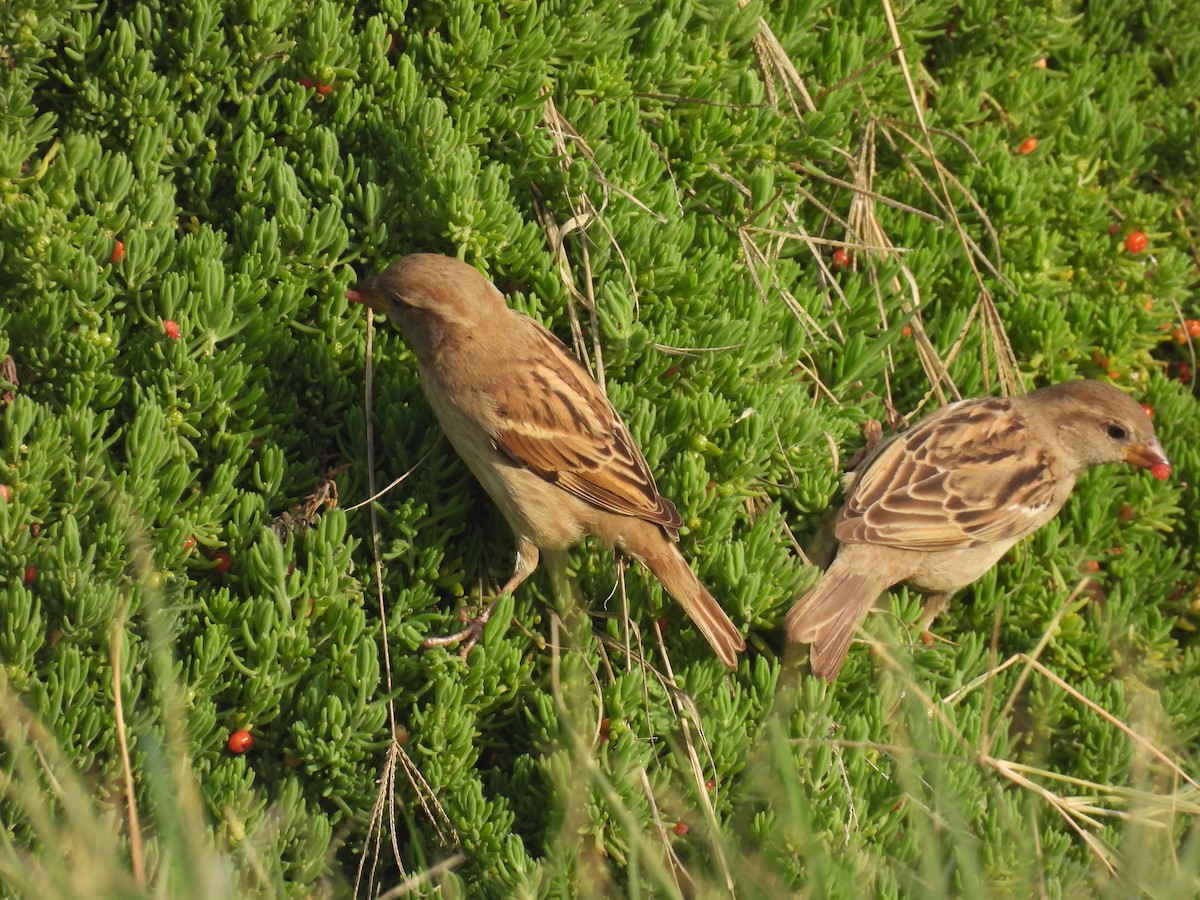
x=555, y=421
x=969, y=474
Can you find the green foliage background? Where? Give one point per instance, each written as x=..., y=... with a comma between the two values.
x=254, y=158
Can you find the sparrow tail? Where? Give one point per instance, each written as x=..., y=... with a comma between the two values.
x=669, y=567
x=828, y=616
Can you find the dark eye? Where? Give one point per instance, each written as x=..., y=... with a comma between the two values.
x=1116, y=432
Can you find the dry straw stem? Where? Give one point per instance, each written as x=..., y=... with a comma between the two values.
x=386, y=796
x=584, y=213
x=416, y=882
x=385, y=800
x=1034, y=665
x=1080, y=813
x=993, y=329
x=776, y=63
x=864, y=231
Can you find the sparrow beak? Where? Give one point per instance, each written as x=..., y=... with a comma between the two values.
x=364, y=293
x=1150, y=456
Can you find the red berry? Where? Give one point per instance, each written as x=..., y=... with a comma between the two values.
x=841, y=258
x=1027, y=146
x=171, y=327
x=1148, y=409
x=239, y=741
x=31, y=572
x=1193, y=327
x=906, y=331
x=223, y=561
x=1114, y=229
x=1178, y=335
x=118, y=253
x=307, y=82
x=1136, y=242
x=324, y=88
x=1126, y=514
x=1161, y=471
x=681, y=828
x=1089, y=565
x=189, y=543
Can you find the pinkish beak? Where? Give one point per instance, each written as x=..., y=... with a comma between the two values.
x=365, y=297
x=1150, y=456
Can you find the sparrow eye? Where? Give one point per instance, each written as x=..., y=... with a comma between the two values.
x=1116, y=432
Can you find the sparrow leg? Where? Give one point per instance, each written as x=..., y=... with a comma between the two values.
x=527, y=560
x=934, y=606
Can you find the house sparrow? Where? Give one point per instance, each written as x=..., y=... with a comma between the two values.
x=936, y=506
x=535, y=429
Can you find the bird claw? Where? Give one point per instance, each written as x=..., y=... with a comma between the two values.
x=468, y=636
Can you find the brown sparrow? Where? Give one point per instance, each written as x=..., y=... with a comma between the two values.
x=535, y=429
x=936, y=506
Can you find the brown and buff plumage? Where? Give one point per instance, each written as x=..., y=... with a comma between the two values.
x=938, y=505
x=536, y=430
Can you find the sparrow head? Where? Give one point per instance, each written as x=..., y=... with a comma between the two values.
x=424, y=286
x=1096, y=424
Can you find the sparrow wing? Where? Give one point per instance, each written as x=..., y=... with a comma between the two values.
x=971, y=473
x=555, y=421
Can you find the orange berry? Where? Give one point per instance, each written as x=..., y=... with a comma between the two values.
x=1027, y=146
x=1136, y=242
